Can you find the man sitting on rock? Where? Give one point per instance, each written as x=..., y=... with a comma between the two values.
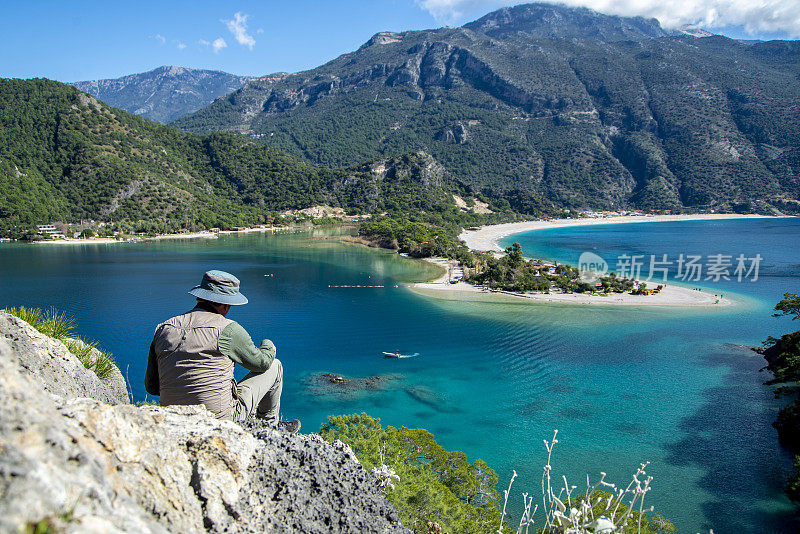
x=192, y=357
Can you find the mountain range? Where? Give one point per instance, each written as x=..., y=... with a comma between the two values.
x=65, y=156
x=166, y=93
x=584, y=109
x=529, y=110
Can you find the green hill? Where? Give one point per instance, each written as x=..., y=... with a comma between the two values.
x=584, y=109
x=66, y=156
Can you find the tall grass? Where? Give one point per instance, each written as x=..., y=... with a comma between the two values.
x=57, y=325
x=50, y=323
x=94, y=359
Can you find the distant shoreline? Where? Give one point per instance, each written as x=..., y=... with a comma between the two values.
x=671, y=295
x=203, y=234
x=487, y=238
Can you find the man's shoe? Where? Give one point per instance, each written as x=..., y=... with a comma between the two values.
x=292, y=427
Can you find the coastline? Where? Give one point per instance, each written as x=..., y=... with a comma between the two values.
x=90, y=241
x=486, y=238
x=203, y=234
x=671, y=295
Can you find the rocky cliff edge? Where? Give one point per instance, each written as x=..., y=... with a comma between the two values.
x=72, y=460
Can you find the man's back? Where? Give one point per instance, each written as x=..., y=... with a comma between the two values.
x=191, y=368
x=192, y=357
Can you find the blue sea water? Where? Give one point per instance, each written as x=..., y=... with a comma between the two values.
x=622, y=386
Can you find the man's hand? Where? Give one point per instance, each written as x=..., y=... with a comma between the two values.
x=268, y=345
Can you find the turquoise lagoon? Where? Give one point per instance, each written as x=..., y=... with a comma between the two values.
x=675, y=387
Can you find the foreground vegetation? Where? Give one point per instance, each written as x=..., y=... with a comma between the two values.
x=438, y=491
x=57, y=325
x=783, y=361
x=434, y=485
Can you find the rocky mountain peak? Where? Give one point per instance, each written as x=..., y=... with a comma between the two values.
x=694, y=31
x=384, y=38
x=172, y=70
x=165, y=93
x=556, y=21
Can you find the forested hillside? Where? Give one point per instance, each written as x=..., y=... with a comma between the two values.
x=65, y=156
x=586, y=110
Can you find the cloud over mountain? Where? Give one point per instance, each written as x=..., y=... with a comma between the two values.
x=238, y=27
x=218, y=44
x=755, y=16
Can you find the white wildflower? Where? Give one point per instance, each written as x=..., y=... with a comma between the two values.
x=385, y=475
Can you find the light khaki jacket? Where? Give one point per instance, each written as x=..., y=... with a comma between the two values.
x=192, y=357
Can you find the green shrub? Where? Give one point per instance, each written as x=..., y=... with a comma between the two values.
x=50, y=323
x=435, y=486
x=94, y=359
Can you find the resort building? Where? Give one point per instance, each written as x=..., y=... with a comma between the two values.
x=50, y=231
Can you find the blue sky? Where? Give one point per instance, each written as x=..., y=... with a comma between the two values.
x=83, y=40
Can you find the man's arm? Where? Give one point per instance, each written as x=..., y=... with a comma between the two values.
x=236, y=344
x=151, y=384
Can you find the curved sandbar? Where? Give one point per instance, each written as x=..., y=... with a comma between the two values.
x=670, y=295
x=486, y=239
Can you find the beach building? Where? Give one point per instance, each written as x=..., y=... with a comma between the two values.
x=46, y=229
x=50, y=231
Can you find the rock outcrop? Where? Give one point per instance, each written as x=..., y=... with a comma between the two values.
x=71, y=461
x=57, y=371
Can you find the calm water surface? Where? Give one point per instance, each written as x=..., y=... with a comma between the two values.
x=622, y=386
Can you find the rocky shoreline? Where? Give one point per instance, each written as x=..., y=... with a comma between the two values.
x=75, y=456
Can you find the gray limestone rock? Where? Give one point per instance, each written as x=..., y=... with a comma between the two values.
x=56, y=369
x=77, y=464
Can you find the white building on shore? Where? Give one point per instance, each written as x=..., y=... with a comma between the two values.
x=50, y=231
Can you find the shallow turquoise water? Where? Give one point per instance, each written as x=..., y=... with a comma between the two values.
x=621, y=385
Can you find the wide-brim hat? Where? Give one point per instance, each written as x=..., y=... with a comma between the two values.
x=219, y=287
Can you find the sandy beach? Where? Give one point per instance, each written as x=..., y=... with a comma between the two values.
x=204, y=234
x=486, y=238
x=189, y=235
x=110, y=240
x=70, y=241
x=671, y=295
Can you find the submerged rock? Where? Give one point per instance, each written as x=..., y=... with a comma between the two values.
x=77, y=464
x=431, y=398
x=339, y=386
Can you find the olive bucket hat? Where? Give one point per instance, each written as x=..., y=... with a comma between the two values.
x=219, y=287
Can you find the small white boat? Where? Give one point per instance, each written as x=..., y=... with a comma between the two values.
x=398, y=355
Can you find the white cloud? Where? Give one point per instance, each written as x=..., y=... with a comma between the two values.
x=181, y=45
x=238, y=27
x=218, y=44
x=260, y=31
x=755, y=16
x=203, y=42
x=160, y=38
